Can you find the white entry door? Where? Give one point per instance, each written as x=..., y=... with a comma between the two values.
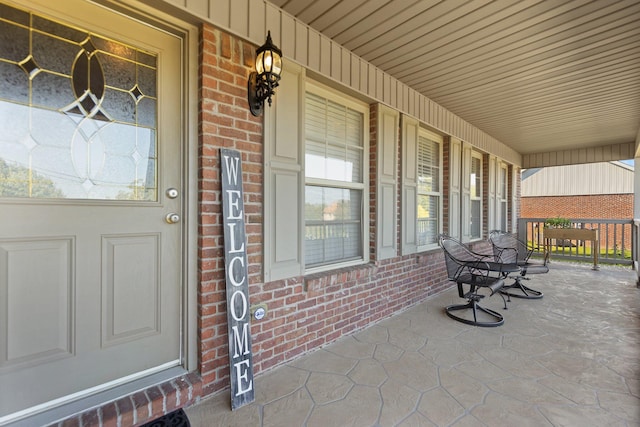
x=90, y=200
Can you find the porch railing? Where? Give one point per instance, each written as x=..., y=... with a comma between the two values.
x=618, y=240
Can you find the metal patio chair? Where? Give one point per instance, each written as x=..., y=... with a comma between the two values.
x=475, y=271
x=508, y=248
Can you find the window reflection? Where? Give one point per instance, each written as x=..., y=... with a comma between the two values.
x=321, y=167
x=78, y=113
x=332, y=224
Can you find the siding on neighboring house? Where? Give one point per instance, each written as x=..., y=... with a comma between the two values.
x=597, y=190
x=573, y=180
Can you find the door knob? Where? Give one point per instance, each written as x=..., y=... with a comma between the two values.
x=172, y=193
x=172, y=218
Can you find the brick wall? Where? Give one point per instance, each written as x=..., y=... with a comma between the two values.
x=608, y=206
x=224, y=121
x=597, y=206
x=141, y=407
x=304, y=313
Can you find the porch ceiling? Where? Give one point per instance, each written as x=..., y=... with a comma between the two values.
x=539, y=76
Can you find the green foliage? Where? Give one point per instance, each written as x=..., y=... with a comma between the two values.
x=18, y=181
x=557, y=222
x=137, y=192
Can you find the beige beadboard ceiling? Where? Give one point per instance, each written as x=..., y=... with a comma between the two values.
x=540, y=76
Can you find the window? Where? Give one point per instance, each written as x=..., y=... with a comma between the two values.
x=429, y=174
x=503, y=197
x=80, y=120
x=336, y=168
x=476, y=195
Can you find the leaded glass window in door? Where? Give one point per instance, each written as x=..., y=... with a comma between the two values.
x=78, y=113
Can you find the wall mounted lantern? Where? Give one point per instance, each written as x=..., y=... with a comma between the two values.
x=262, y=83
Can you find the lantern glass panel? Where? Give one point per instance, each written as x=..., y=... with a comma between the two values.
x=260, y=63
x=277, y=65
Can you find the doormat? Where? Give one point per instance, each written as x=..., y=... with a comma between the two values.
x=173, y=419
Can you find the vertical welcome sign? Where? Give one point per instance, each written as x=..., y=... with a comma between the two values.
x=237, y=278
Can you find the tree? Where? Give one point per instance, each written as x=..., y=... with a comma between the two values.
x=19, y=181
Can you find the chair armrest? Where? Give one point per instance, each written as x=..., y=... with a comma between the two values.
x=526, y=250
x=479, y=274
x=479, y=268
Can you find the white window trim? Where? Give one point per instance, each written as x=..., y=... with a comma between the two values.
x=332, y=94
x=503, y=195
x=477, y=155
x=440, y=140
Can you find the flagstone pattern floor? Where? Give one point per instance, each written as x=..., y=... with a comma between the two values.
x=571, y=358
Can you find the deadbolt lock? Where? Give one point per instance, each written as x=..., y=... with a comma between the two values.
x=172, y=193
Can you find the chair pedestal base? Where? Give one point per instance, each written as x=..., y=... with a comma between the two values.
x=522, y=290
x=473, y=305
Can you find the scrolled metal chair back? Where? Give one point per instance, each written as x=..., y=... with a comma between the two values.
x=455, y=255
x=507, y=248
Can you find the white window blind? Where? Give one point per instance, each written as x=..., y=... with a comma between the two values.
x=476, y=197
x=429, y=191
x=334, y=182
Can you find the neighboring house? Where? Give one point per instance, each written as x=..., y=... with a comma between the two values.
x=595, y=190
x=589, y=191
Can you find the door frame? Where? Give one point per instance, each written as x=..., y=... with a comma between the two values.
x=189, y=35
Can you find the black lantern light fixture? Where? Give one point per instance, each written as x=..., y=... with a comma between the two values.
x=262, y=83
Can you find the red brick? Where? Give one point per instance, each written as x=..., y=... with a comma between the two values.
x=125, y=409
x=157, y=401
x=169, y=393
x=109, y=415
x=141, y=406
x=71, y=422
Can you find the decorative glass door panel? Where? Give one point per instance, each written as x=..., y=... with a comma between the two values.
x=91, y=109
x=78, y=113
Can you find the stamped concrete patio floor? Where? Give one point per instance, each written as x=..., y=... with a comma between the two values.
x=571, y=358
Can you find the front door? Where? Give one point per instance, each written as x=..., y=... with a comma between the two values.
x=90, y=201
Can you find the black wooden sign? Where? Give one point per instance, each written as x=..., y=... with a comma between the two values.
x=237, y=278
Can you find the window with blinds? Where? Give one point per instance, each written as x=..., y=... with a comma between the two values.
x=476, y=196
x=429, y=191
x=334, y=181
x=503, y=197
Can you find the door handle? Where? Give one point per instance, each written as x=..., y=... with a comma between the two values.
x=172, y=218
